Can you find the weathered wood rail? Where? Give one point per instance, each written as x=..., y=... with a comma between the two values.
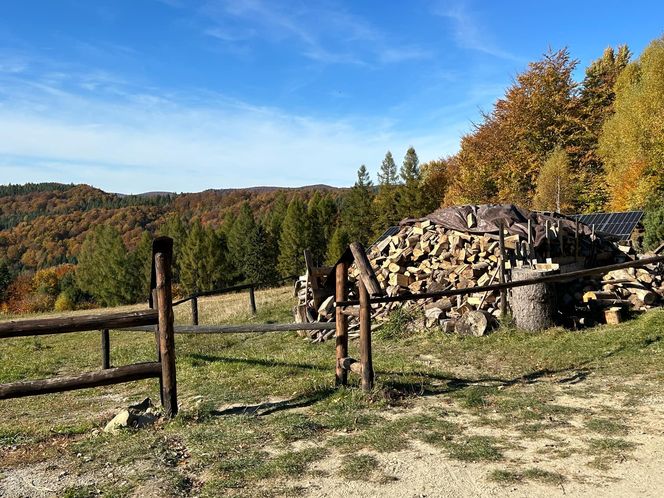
x=250, y=287
x=162, y=317
x=367, y=280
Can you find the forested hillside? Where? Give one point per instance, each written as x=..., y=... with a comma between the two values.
x=550, y=143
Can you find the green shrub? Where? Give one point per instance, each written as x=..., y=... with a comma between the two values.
x=64, y=302
x=653, y=222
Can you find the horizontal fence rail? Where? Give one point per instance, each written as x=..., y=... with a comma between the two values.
x=563, y=277
x=45, y=326
x=241, y=329
x=106, y=377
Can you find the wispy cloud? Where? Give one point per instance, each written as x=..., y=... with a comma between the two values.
x=130, y=141
x=324, y=33
x=468, y=32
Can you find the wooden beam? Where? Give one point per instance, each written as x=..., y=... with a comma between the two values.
x=45, y=326
x=367, y=274
x=162, y=250
x=116, y=375
x=194, y=310
x=252, y=300
x=501, y=275
x=563, y=277
x=105, y=349
x=341, y=336
x=258, y=328
x=366, y=361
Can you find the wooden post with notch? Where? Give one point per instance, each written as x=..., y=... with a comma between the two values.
x=501, y=274
x=105, y=349
x=365, y=338
x=162, y=249
x=194, y=310
x=341, y=294
x=252, y=300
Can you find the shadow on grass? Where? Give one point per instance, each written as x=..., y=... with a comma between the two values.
x=397, y=385
x=268, y=408
x=256, y=362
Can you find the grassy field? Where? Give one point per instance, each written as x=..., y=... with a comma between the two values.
x=259, y=415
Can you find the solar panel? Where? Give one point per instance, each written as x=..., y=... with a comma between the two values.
x=619, y=224
x=393, y=230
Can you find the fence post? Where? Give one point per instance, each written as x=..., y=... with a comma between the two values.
x=503, y=292
x=341, y=323
x=162, y=249
x=105, y=349
x=194, y=310
x=252, y=300
x=365, y=337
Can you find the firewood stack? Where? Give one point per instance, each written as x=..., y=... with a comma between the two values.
x=425, y=257
x=633, y=289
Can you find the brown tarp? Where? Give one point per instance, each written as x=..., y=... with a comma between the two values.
x=486, y=218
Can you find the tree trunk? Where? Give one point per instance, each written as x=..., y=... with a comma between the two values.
x=533, y=306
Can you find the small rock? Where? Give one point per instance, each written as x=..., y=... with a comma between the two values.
x=136, y=416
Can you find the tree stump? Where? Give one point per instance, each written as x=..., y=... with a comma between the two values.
x=533, y=306
x=476, y=323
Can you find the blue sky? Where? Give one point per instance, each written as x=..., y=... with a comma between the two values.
x=184, y=95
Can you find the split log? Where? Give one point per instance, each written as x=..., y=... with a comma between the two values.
x=475, y=323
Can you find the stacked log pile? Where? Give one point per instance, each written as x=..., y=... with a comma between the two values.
x=425, y=257
x=634, y=289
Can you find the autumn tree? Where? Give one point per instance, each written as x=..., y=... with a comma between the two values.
x=555, y=190
x=500, y=160
x=595, y=107
x=632, y=140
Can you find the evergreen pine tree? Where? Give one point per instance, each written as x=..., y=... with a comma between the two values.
x=239, y=239
x=386, y=201
x=410, y=198
x=337, y=245
x=105, y=269
x=5, y=279
x=202, y=261
x=293, y=240
x=356, y=209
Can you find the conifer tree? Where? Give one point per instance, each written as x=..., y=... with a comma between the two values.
x=5, y=279
x=141, y=258
x=202, y=263
x=105, y=269
x=240, y=237
x=356, y=211
x=410, y=198
x=337, y=245
x=386, y=203
x=294, y=239
x=175, y=228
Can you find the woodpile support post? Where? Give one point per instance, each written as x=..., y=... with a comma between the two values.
x=341, y=294
x=105, y=349
x=162, y=250
x=501, y=275
x=194, y=310
x=365, y=337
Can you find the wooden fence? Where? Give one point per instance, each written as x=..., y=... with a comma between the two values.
x=370, y=292
x=161, y=315
x=251, y=287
